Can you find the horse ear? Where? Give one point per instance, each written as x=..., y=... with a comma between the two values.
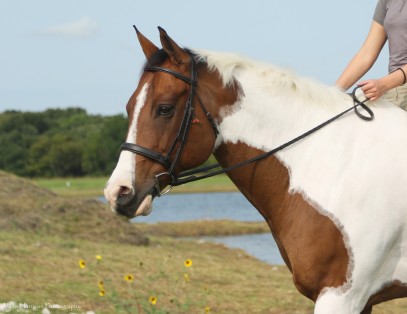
x=148, y=47
x=176, y=53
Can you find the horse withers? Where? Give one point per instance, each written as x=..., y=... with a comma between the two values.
x=336, y=201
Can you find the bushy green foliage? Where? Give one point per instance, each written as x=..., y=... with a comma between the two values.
x=60, y=142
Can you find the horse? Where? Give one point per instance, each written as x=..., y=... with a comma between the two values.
x=335, y=201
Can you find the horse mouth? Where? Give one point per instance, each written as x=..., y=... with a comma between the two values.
x=137, y=207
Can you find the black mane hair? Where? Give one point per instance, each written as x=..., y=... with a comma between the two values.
x=159, y=57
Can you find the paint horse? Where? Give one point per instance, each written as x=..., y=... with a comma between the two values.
x=336, y=201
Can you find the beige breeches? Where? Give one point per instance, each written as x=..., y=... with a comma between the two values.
x=398, y=96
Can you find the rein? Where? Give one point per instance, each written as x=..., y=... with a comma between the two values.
x=189, y=176
x=187, y=120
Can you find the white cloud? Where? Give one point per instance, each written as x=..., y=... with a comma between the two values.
x=83, y=28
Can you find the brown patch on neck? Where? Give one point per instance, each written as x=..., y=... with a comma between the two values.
x=393, y=290
x=214, y=94
x=310, y=243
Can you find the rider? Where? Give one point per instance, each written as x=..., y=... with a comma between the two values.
x=389, y=23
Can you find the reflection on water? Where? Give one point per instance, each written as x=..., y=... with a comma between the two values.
x=211, y=206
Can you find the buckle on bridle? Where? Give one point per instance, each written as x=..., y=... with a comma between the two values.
x=167, y=188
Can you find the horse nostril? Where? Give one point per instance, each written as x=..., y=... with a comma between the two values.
x=123, y=191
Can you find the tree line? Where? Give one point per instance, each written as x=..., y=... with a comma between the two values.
x=60, y=142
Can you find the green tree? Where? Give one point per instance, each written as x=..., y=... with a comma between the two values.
x=16, y=136
x=100, y=155
x=60, y=142
x=55, y=156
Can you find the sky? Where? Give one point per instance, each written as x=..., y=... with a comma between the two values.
x=85, y=53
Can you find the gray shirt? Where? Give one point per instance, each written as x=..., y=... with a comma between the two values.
x=392, y=14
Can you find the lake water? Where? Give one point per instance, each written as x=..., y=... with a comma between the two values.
x=198, y=206
x=261, y=246
x=215, y=206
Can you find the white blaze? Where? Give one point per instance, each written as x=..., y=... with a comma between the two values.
x=124, y=173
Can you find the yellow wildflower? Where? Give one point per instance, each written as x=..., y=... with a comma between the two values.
x=153, y=300
x=188, y=263
x=101, y=284
x=99, y=258
x=102, y=292
x=129, y=278
x=207, y=309
x=82, y=263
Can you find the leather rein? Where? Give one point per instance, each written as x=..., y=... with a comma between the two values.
x=187, y=121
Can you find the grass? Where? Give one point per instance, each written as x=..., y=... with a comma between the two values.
x=203, y=228
x=43, y=236
x=93, y=186
x=74, y=187
x=39, y=269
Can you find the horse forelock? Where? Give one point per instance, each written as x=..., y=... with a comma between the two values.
x=158, y=58
x=161, y=55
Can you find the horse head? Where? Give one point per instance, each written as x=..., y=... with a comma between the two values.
x=171, y=128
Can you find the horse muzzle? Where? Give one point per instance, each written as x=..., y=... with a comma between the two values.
x=124, y=201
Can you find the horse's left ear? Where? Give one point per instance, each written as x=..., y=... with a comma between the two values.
x=176, y=53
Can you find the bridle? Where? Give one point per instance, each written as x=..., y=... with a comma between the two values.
x=186, y=122
x=180, y=139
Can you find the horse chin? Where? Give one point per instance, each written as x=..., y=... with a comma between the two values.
x=145, y=207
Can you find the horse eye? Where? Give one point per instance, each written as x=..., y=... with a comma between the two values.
x=165, y=110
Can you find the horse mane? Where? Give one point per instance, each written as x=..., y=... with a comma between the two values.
x=307, y=90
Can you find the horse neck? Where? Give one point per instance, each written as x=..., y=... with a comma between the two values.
x=264, y=183
x=271, y=111
x=293, y=220
x=270, y=107
x=268, y=114
x=261, y=120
